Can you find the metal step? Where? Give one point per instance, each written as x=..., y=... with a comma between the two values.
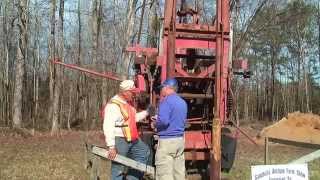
x=191, y=96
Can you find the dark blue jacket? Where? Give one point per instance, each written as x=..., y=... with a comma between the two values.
x=172, y=117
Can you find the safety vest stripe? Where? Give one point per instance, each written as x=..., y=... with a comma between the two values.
x=123, y=112
x=128, y=128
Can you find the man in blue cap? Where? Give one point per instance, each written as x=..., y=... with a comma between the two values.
x=170, y=125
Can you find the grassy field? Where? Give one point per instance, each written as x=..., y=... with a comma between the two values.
x=62, y=157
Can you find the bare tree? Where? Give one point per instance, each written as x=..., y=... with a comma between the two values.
x=154, y=25
x=52, y=55
x=21, y=55
x=318, y=17
x=97, y=23
x=96, y=28
x=129, y=32
x=36, y=64
x=58, y=72
x=7, y=34
x=77, y=85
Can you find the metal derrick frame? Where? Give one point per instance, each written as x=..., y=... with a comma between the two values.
x=177, y=37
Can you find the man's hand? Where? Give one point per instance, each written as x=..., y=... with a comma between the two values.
x=112, y=152
x=151, y=110
x=154, y=118
x=153, y=122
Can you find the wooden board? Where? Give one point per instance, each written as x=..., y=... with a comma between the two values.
x=307, y=158
x=149, y=170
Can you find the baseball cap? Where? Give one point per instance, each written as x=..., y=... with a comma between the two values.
x=128, y=85
x=172, y=82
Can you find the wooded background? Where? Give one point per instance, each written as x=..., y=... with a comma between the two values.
x=280, y=39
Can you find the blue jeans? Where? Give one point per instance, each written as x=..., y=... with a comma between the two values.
x=136, y=150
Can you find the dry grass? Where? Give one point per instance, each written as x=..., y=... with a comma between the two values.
x=62, y=157
x=42, y=157
x=249, y=154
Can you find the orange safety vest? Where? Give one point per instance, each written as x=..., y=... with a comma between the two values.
x=129, y=127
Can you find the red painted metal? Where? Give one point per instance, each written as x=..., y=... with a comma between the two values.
x=180, y=71
x=170, y=26
x=196, y=96
x=140, y=83
x=141, y=51
x=196, y=155
x=207, y=71
x=197, y=140
x=76, y=67
x=204, y=73
x=192, y=43
x=202, y=28
x=143, y=68
x=194, y=119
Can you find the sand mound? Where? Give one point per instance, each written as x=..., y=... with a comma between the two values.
x=297, y=127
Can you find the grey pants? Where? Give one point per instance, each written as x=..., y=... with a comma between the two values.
x=169, y=159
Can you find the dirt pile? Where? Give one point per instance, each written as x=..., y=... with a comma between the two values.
x=297, y=126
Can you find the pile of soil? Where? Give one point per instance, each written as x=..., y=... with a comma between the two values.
x=302, y=127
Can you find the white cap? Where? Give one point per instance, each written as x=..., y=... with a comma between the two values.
x=128, y=85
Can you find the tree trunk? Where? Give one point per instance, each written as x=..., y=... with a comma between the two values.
x=141, y=21
x=58, y=73
x=273, y=67
x=129, y=32
x=319, y=31
x=78, y=62
x=70, y=107
x=305, y=74
x=2, y=96
x=97, y=9
x=153, y=26
x=52, y=56
x=96, y=28
x=36, y=62
x=6, y=45
x=21, y=52
x=245, y=100
x=298, y=101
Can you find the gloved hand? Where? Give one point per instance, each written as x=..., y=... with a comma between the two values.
x=151, y=110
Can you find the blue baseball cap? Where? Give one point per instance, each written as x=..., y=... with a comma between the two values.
x=172, y=82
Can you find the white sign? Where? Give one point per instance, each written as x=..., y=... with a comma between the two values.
x=280, y=172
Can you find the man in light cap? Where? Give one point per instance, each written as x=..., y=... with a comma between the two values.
x=121, y=133
x=170, y=125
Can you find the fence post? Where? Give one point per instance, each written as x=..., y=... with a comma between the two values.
x=95, y=168
x=266, y=150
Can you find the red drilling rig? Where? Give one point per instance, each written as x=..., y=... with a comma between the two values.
x=198, y=56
